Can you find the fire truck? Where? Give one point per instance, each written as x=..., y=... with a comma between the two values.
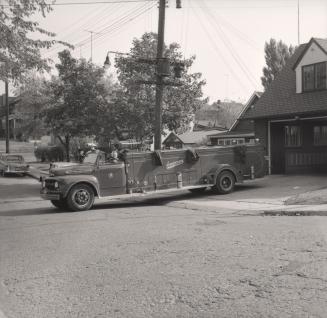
x=74, y=186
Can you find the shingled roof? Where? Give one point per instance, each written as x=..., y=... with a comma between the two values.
x=281, y=98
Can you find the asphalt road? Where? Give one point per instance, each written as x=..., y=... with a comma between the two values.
x=154, y=259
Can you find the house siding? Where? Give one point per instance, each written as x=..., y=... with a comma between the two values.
x=244, y=125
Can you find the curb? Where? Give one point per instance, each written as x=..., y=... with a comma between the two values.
x=296, y=213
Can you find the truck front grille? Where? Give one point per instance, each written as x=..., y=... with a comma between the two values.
x=49, y=184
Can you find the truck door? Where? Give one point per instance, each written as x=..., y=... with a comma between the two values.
x=111, y=176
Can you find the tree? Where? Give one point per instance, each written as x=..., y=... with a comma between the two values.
x=137, y=100
x=19, y=50
x=76, y=99
x=276, y=56
x=32, y=98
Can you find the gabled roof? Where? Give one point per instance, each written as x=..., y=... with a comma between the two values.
x=321, y=43
x=250, y=102
x=281, y=99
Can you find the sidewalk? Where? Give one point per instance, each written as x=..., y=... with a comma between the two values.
x=254, y=207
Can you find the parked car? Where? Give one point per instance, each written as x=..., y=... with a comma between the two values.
x=13, y=164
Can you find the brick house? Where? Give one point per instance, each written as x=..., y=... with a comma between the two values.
x=290, y=119
x=241, y=131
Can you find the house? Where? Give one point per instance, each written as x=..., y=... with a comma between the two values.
x=290, y=118
x=241, y=131
x=207, y=125
x=188, y=139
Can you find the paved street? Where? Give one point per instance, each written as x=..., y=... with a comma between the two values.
x=160, y=258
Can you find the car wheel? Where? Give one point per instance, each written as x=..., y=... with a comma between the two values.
x=80, y=197
x=225, y=183
x=198, y=190
x=60, y=204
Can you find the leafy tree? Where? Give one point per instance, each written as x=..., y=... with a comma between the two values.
x=19, y=50
x=137, y=100
x=75, y=97
x=32, y=98
x=276, y=56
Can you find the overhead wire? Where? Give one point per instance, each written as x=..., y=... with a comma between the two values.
x=118, y=30
x=69, y=37
x=118, y=23
x=217, y=50
x=118, y=26
x=230, y=47
x=121, y=18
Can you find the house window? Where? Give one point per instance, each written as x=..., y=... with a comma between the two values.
x=293, y=136
x=220, y=142
x=320, y=135
x=314, y=77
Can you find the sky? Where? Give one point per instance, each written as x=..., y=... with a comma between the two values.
x=226, y=36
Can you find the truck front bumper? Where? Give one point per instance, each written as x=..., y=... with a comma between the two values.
x=49, y=196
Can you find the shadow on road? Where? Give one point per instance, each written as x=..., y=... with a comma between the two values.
x=155, y=200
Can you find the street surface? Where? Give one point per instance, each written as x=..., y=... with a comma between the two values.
x=160, y=258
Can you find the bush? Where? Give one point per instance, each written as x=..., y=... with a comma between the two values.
x=49, y=153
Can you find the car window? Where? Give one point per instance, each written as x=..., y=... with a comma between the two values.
x=91, y=157
x=14, y=158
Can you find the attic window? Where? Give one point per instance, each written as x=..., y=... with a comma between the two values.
x=314, y=77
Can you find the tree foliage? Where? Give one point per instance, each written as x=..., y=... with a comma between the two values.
x=137, y=100
x=19, y=50
x=32, y=98
x=75, y=98
x=276, y=56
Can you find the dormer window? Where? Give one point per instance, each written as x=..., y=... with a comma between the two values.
x=314, y=77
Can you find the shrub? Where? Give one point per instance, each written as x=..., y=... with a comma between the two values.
x=49, y=153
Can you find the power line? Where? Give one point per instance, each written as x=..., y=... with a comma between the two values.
x=232, y=51
x=216, y=49
x=88, y=3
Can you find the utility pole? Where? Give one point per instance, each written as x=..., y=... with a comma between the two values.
x=91, y=32
x=7, y=115
x=159, y=84
x=298, y=22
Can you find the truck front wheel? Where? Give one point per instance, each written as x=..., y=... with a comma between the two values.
x=80, y=197
x=225, y=183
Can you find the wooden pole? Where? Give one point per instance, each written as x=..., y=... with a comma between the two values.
x=7, y=116
x=159, y=83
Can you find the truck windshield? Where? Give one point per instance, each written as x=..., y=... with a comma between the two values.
x=91, y=158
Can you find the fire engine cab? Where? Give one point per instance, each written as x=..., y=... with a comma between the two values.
x=75, y=186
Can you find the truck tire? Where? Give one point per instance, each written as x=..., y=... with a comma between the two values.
x=80, y=197
x=225, y=183
x=60, y=204
x=198, y=190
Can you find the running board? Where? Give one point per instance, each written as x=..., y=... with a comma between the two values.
x=146, y=193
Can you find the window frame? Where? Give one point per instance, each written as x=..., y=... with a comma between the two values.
x=320, y=144
x=300, y=137
x=314, y=77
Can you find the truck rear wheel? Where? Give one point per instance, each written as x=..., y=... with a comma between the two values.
x=80, y=197
x=60, y=204
x=225, y=183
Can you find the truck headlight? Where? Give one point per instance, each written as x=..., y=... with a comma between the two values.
x=56, y=185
